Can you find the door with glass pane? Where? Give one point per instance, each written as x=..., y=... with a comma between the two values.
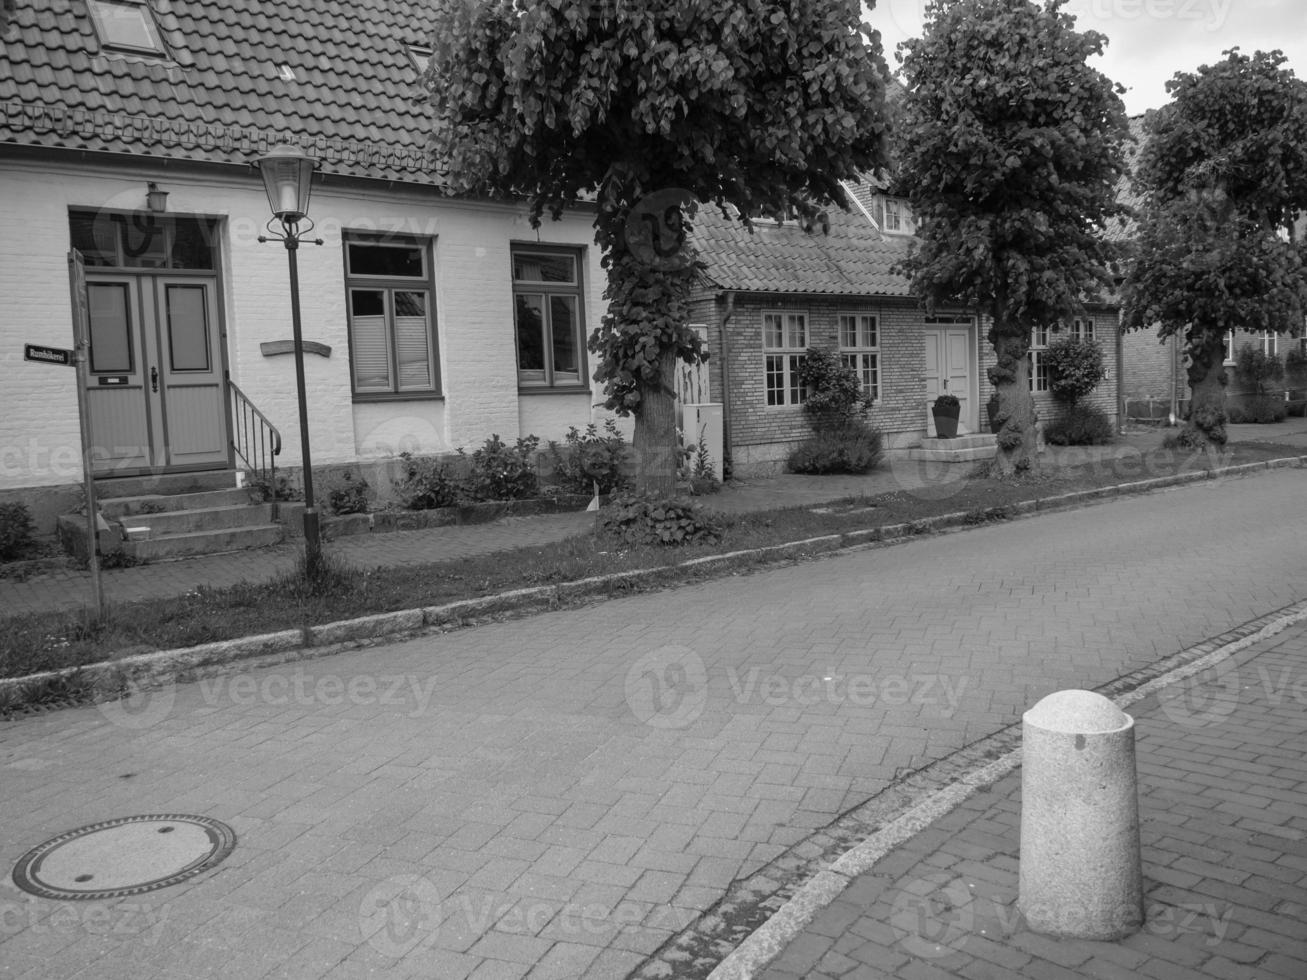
x=155, y=382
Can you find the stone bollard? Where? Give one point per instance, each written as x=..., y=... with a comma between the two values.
x=1080, y=871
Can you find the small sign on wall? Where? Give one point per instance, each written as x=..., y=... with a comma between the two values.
x=47, y=355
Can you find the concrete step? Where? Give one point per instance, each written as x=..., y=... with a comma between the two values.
x=198, y=519
x=154, y=504
x=165, y=484
x=962, y=449
x=954, y=455
x=204, y=542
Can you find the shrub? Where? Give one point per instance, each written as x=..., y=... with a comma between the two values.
x=854, y=447
x=16, y=531
x=835, y=394
x=426, y=484
x=1295, y=367
x=1080, y=425
x=503, y=472
x=347, y=495
x=637, y=519
x=284, y=490
x=1187, y=438
x=1261, y=409
x=1075, y=368
x=587, y=458
x=1257, y=370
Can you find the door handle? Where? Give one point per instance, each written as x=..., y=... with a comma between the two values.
x=154, y=379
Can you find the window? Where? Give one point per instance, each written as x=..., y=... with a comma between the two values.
x=1270, y=343
x=896, y=218
x=548, y=315
x=127, y=25
x=784, y=341
x=1229, y=347
x=392, y=318
x=142, y=240
x=1082, y=329
x=420, y=56
x=1038, y=362
x=860, y=350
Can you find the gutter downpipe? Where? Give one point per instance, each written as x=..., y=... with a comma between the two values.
x=729, y=299
x=1120, y=376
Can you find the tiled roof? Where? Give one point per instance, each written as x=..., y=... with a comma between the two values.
x=853, y=260
x=1127, y=192
x=354, y=101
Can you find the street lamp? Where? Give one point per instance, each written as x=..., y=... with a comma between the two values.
x=288, y=179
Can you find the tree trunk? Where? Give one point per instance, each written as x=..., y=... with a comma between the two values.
x=1205, y=423
x=655, y=444
x=1017, y=442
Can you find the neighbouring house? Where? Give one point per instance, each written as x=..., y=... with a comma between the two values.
x=766, y=297
x=128, y=131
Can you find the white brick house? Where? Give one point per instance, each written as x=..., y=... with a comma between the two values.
x=446, y=319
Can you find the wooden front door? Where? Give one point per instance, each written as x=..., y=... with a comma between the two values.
x=950, y=367
x=155, y=396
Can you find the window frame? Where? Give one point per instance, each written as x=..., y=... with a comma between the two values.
x=861, y=357
x=98, y=20
x=791, y=393
x=1038, y=346
x=389, y=285
x=528, y=287
x=1083, y=328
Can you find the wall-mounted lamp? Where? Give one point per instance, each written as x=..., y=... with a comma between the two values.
x=155, y=199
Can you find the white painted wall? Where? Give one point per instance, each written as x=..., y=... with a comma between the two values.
x=39, y=436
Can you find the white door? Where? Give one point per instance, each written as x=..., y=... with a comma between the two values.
x=949, y=364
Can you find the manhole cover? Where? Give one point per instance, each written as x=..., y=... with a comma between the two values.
x=126, y=856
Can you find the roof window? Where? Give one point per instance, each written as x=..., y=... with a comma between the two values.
x=420, y=56
x=126, y=25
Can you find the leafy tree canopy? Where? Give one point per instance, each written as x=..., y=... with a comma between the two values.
x=1240, y=126
x=765, y=104
x=1010, y=153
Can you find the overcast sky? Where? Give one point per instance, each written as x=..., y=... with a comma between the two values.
x=1150, y=40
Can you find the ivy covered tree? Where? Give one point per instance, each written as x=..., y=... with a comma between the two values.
x=1225, y=174
x=1011, y=147
x=647, y=109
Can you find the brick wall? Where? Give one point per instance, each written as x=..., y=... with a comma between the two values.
x=39, y=435
x=762, y=434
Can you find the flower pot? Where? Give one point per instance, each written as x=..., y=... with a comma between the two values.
x=946, y=421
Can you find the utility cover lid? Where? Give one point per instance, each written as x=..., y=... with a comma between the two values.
x=124, y=856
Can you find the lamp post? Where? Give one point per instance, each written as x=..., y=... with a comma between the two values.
x=288, y=179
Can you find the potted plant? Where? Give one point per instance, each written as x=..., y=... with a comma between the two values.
x=946, y=411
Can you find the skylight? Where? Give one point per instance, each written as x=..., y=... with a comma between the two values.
x=127, y=25
x=420, y=56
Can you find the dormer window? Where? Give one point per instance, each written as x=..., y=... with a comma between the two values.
x=126, y=25
x=420, y=56
x=896, y=218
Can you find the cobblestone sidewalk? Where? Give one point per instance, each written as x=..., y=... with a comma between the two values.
x=1223, y=812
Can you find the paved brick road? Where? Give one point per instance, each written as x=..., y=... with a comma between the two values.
x=555, y=796
x=1223, y=828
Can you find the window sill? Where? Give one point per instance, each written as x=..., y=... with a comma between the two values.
x=403, y=396
x=555, y=390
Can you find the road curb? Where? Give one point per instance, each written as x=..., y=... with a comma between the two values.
x=109, y=679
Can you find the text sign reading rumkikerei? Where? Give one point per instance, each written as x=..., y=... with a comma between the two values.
x=50, y=355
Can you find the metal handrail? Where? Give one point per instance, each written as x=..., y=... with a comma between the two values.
x=255, y=440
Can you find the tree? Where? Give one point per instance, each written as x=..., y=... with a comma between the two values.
x=1225, y=174
x=1010, y=150
x=649, y=108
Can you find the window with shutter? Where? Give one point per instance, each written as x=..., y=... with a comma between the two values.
x=392, y=322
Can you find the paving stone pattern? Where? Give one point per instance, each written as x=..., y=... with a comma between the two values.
x=556, y=796
x=1223, y=828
